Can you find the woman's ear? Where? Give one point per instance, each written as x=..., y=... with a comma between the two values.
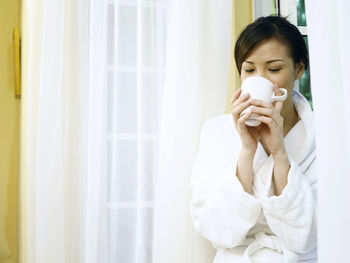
x=300, y=68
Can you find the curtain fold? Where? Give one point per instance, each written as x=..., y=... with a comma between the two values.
x=96, y=186
x=329, y=41
x=52, y=128
x=197, y=62
x=48, y=197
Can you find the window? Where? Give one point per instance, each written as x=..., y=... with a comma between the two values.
x=135, y=73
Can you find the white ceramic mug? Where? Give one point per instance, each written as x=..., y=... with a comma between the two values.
x=261, y=89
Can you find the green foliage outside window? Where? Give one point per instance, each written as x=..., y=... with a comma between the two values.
x=304, y=82
x=301, y=13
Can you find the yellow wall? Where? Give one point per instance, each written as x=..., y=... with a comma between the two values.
x=241, y=17
x=9, y=134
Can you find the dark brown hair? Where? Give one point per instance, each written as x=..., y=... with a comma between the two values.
x=269, y=27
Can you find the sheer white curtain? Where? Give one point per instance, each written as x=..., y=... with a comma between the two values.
x=54, y=34
x=196, y=75
x=127, y=40
x=93, y=92
x=329, y=42
x=93, y=77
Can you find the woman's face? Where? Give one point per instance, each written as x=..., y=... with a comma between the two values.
x=271, y=60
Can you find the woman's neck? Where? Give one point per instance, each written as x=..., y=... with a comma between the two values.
x=289, y=115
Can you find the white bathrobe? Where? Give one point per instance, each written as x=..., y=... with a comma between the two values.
x=261, y=227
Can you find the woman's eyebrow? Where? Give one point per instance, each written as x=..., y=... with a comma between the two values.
x=269, y=61
x=274, y=60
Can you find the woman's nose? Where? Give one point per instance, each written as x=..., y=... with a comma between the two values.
x=261, y=73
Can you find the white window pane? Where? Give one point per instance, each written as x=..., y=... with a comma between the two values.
x=110, y=34
x=146, y=236
x=163, y=35
x=127, y=35
x=122, y=235
x=147, y=168
x=149, y=103
x=123, y=119
x=149, y=36
x=111, y=105
x=126, y=116
x=122, y=102
x=122, y=170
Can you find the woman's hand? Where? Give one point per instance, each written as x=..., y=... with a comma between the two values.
x=249, y=135
x=271, y=132
x=249, y=140
x=271, y=129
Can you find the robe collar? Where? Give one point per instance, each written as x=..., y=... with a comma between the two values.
x=298, y=142
x=299, y=139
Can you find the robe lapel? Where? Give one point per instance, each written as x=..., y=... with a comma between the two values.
x=297, y=142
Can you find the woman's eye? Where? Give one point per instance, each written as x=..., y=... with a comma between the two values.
x=249, y=70
x=274, y=69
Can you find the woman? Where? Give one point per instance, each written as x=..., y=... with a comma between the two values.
x=254, y=188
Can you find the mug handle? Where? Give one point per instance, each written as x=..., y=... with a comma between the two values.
x=280, y=98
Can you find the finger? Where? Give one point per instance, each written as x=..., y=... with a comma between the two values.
x=263, y=111
x=236, y=95
x=267, y=112
x=244, y=118
x=261, y=103
x=279, y=106
x=236, y=112
x=267, y=120
x=244, y=97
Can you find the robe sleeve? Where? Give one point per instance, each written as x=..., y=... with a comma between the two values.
x=221, y=210
x=292, y=216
